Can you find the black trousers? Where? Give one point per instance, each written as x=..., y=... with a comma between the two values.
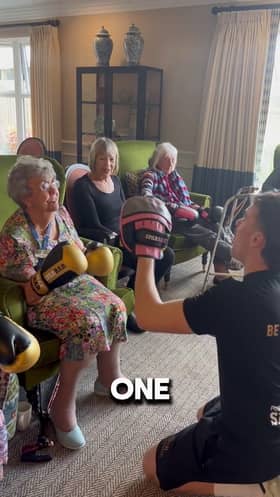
x=162, y=266
x=204, y=233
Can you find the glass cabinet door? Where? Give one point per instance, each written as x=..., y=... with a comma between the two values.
x=118, y=102
x=92, y=110
x=153, y=104
x=124, y=105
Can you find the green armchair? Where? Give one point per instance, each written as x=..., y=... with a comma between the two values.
x=134, y=156
x=12, y=302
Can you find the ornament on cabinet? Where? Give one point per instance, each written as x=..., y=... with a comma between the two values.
x=133, y=45
x=103, y=47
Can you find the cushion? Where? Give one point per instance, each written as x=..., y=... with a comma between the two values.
x=132, y=182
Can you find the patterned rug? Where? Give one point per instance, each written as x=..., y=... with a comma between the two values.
x=118, y=434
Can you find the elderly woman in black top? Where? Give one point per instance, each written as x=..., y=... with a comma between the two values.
x=97, y=199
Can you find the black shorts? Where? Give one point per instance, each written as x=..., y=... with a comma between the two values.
x=200, y=453
x=183, y=457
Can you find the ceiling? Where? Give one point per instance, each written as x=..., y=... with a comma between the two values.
x=31, y=10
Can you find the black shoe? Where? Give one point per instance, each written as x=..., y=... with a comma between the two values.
x=132, y=324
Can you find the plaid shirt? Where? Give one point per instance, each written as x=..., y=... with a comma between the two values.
x=171, y=189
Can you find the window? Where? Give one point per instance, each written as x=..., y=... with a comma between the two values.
x=15, y=115
x=272, y=135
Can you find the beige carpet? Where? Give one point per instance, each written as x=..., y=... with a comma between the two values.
x=118, y=434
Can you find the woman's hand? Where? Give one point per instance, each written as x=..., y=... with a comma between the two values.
x=31, y=297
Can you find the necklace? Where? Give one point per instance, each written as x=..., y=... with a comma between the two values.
x=42, y=231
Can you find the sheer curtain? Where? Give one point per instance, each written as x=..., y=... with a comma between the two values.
x=268, y=134
x=231, y=106
x=45, y=75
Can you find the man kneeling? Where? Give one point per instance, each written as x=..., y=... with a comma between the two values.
x=234, y=448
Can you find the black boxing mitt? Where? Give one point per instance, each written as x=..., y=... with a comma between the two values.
x=63, y=263
x=145, y=226
x=19, y=350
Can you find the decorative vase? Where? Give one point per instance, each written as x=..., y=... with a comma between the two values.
x=103, y=47
x=133, y=45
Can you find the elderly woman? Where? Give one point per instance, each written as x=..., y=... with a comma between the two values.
x=163, y=181
x=88, y=318
x=97, y=200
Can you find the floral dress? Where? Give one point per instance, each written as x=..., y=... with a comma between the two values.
x=84, y=314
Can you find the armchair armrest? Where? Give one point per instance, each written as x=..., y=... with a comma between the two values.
x=201, y=199
x=110, y=281
x=12, y=301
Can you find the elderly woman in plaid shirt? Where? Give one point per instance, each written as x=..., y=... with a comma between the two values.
x=163, y=181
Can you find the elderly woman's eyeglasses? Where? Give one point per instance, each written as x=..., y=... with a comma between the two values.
x=46, y=185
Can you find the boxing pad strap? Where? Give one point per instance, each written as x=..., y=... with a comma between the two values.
x=147, y=234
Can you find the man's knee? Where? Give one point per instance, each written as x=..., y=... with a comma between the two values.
x=149, y=465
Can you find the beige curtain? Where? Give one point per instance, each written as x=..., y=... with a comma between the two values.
x=45, y=75
x=233, y=93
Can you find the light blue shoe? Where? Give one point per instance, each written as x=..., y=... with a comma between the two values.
x=100, y=390
x=72, y=440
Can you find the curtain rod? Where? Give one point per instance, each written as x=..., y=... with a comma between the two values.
x=39, y=23
x=218, y=10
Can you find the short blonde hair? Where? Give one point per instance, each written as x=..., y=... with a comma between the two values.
x=161, y=151
x=103, y=146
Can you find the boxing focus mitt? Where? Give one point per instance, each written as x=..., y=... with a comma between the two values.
x=19, y=350
x=100, y=259
x=186, y=213
x=145, y=224
x=64, y=262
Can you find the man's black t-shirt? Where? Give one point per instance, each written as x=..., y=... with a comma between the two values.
x=244, y=317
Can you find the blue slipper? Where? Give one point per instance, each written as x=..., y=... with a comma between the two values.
x=100, y=390
x=72, y=440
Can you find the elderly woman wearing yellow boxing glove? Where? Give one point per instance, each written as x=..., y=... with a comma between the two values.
x=40, y=248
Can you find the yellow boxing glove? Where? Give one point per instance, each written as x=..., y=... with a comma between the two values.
x=100, y=259
x=19, y=350
x=63, y=263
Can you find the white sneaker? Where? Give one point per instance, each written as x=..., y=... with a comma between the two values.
x=272, y=487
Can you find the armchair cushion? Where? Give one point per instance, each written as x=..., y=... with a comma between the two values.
x=132, y=182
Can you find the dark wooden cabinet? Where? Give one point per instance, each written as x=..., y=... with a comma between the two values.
x=118, y=102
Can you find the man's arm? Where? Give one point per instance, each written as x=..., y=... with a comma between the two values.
x=151, y=313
